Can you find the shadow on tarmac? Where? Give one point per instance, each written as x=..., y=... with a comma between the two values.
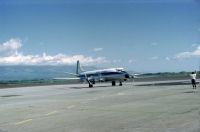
x=191, y=92
x=88, y=87
x=8, y=96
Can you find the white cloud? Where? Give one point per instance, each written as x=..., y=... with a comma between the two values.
x=49, y=60
x=116, y=61
x=167, y=58
x=14, y=57
x=154, y=58
x=154, y=44
x=194, y=45
x=11, y=46
x=130, y=61
x=187, y=54
x=98, y=49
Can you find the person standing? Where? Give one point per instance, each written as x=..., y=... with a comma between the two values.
x=193, y=79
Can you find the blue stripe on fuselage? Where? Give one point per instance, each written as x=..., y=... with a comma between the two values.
x=102, y=74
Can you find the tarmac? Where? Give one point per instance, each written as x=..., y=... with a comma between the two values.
x=132, y=107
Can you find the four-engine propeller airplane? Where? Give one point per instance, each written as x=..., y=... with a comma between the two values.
x=103, y=75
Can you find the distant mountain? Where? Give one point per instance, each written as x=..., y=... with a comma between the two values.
x=8, y=73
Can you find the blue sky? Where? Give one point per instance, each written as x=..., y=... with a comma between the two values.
x=140, y=35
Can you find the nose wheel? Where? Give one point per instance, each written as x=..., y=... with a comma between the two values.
x=120, y=83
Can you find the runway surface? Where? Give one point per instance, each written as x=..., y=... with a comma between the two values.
x=77, y=108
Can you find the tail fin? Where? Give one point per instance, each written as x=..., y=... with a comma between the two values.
x=78, y=68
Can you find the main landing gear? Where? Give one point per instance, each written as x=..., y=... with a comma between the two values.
x=114, y=83
x=120, y=83
x=90, y=85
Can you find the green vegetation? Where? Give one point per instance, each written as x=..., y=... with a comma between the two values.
x=25, y=83
x=166, y=74
x=160, y=76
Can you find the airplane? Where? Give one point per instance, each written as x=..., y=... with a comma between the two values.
x=103, y=75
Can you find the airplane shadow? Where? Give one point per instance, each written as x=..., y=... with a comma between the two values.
x=88, y=87
x=190, y=92
x=7, y=96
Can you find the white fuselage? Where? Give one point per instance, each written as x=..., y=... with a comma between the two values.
x=112, y=74
x=103, y=75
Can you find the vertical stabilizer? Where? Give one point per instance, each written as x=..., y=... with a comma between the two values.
x=78, y=68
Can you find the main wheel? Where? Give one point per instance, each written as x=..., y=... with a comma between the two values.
x=113, y=83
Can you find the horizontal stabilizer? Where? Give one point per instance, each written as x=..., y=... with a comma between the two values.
x=73, y=74
x=64, y=78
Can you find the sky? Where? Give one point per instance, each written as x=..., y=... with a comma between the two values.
x=139, y=35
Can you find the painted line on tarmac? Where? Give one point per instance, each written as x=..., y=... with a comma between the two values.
x=23, y=122
x=51, y=113
x=121, y=94
x=71, y=106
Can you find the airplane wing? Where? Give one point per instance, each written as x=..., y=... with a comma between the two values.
x=70, y=80
x=65, y=78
